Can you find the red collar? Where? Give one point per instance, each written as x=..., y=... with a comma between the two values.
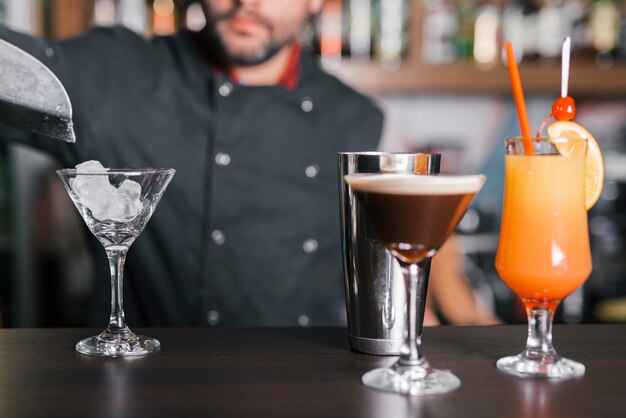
x=291, y=74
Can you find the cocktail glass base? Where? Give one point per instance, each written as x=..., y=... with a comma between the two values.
x=118, y=345
x=415, y=381
x=544, y=366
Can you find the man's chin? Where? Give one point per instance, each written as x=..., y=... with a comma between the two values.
x=248, y=57
x=241, y=52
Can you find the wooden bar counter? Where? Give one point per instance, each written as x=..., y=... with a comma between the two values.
x=288, y=372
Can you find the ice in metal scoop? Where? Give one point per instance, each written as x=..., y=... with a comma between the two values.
x=31, y=97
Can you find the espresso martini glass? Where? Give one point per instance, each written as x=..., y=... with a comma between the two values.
x=412, y=216
x=116, y=205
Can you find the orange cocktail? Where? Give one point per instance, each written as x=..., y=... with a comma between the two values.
x=543, y=253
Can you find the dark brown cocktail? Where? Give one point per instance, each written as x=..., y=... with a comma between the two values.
x=412, y=216
x=414, y=226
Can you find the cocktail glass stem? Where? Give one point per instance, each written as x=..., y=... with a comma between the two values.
x=117, y=340
x=117, y=321
x=416, y=281
x=539, y=358
x=412, y=374
x=539, y=343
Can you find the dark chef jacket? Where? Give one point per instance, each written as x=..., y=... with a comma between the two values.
x=248, y=231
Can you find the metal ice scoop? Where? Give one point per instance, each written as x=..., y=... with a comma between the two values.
x=31, y=97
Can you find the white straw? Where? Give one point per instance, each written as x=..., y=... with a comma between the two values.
x=565, y=66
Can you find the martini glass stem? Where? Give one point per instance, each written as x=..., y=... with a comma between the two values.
x=412, y=374
x=539, y=342
x=117, y=321
x=416, y=280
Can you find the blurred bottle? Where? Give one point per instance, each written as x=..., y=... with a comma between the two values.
x=486, y=34
x=23, y=16
x=133, y=14
x=513, y=27
x=576, y=13
x=330, y=32
x=604, y=23
x=391, y=40
x=466, y=17
x=531, y=35
x=195, y=20
x=163, y=17
x=439, y=27
x=552, y=27
x=104, y=13
x=360, y=29
x=129, y=13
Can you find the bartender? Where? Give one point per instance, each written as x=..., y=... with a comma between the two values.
x=248, y=231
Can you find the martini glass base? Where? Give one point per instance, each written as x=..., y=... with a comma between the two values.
x=118, y=345
x=389, y=380
x=549, y=367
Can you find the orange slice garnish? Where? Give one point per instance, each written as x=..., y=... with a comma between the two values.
x=594, y=165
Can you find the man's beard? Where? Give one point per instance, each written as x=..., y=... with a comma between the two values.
x=249, y=58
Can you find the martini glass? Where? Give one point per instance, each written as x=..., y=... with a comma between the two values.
x=116, y=205
x=412, y=216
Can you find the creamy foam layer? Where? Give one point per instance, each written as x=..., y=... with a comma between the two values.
x=410, y=184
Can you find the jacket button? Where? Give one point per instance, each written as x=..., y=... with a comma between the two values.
x=312, y=171
x=225, y=89
x=222, y=159
x=310, y=246
x=49, y=52
x=218, y=237
x=307, y=104
x=213, y=318
x=304, y=321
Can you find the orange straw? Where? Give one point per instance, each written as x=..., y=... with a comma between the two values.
x=518, y=94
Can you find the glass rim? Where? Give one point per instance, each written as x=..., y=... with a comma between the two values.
x=547, y=146
x=118, y=171
x=536, y=139
x=378, y=153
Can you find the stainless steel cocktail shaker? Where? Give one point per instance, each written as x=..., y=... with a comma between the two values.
x=375, y=291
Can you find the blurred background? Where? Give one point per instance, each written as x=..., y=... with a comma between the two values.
x=434, y=66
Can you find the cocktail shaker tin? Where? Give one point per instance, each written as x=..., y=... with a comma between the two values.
x=375, y=291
